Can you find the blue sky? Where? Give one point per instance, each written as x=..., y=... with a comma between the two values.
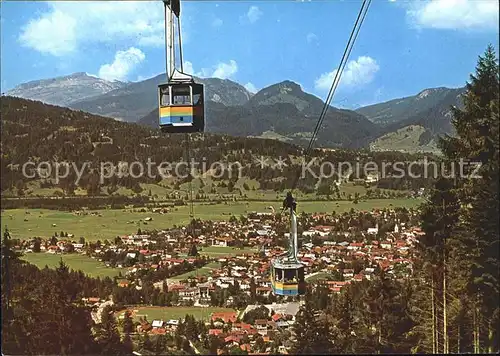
x=403, y=47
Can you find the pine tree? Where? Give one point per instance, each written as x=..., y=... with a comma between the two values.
x=128, y=323
x=471, y=251
x=47, y=319
x=160, y=344
x=312, y=335
x=193, y=251
x=11, y=338
x=214, y=344
x=145, y=344
x=108, y=337
x=344, y=326
x=36, y=245
x=128, y=345
x=478, y=140
x=440, y=218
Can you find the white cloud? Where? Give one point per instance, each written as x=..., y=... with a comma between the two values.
x=124, y=63
x=65, y=26
x=454, y=14
x=311, y=37
x=251, y=88
x=254, y=14
x=225, y=70
x=53, y=34
x=221, y=70
x=356, y=73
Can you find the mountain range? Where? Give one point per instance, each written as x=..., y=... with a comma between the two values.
x=65, y=90
x=132, y=102
x=281, y=111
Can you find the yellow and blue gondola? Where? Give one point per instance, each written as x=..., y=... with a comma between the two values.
x=181, y=107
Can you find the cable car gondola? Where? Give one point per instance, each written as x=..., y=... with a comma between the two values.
x=181, y=108
x=180, y=101
x=287, y=273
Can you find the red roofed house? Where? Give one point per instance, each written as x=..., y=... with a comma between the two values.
x=355, y=246
x=277, y=317
x=358, y=277
x=323, y=228
x=335, y=289
x=226, y=317
x=235, y=339
x=242, y=326
x=215, y=332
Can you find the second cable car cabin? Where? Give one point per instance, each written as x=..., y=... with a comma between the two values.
x=287, y=279
x=181, y=105
x=287, y=273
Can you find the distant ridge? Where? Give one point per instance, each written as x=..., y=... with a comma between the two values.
x=135, y=100
x=282, y=110
x=66, y=89
x=402, y=109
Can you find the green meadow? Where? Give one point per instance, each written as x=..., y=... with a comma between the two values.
x=27, y=223
x=77, y=262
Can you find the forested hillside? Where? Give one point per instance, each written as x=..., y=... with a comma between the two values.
x=35, y=132
x=402, y=109
x=44, y=311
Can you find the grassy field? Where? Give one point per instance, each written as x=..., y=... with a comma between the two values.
x=118, y=222
x=203, y=271
x=167, y=313
x=204, y=185
x=219, y=251
x=87, y=265
x=318, y=277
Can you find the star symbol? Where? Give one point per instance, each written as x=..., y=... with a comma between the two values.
x=280, y=163
x=262, y=161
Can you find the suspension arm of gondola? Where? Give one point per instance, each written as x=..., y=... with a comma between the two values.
x=171, y=9
x=180, y=43
x=167, y=41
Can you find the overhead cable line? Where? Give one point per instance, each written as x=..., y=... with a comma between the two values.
x=338, y=74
